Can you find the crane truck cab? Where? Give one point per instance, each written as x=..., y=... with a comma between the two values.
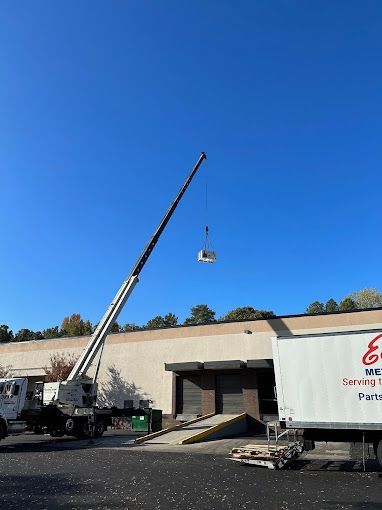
x=12, y=402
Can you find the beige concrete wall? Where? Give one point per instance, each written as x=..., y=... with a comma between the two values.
x=133, y=363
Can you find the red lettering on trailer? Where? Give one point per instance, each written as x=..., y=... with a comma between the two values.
x=370, y=357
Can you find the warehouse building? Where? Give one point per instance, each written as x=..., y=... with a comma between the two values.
x=190, y=370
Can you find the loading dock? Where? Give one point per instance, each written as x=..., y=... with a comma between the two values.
x=189, y=395
x=224, y=387
x=229, y=393
x=200, y=429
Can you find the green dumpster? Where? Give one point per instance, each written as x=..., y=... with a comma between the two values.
x=149, y=422
x=140, y=423
x=156, y=420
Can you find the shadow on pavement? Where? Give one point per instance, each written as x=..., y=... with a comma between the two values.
x=44, y=443
x=358, y=505
x=42, y=447
x=17, y=491
x=345, y=466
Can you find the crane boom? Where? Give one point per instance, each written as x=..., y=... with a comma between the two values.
x=99, y=336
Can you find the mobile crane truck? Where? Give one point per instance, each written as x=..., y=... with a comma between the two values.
x=70, y=407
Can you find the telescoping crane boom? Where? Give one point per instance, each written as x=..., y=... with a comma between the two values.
x=78, y=390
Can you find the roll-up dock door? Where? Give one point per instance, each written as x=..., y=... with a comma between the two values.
x=189, y=395
x=229, y=394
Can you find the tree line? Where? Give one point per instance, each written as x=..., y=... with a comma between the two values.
x=74, y=325
x=359, y=300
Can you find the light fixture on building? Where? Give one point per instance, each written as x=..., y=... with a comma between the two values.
x=247, y=332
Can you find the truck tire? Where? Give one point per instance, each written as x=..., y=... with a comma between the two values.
x=82, y=430
x=70, y=426
x=378, y=451
x=99, y=428
x=3, y=429
x=57, y=432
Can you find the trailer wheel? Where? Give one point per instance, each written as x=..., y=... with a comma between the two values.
x=378, y=451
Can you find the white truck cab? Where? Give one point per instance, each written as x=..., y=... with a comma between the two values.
x=12, y=400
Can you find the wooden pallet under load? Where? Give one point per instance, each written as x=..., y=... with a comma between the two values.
x=267, y=456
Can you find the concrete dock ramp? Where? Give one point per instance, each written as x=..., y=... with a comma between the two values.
x=202, y=429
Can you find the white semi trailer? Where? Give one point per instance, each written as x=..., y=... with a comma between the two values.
x=330, y=386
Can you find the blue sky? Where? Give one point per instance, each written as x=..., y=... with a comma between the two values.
x=105, y=106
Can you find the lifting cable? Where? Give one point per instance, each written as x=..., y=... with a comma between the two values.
x=206, y=241
x=206, y=254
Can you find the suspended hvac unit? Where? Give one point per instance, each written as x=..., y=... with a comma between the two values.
x=206, y=254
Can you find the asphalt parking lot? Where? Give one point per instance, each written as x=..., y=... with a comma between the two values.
x=37, y=472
